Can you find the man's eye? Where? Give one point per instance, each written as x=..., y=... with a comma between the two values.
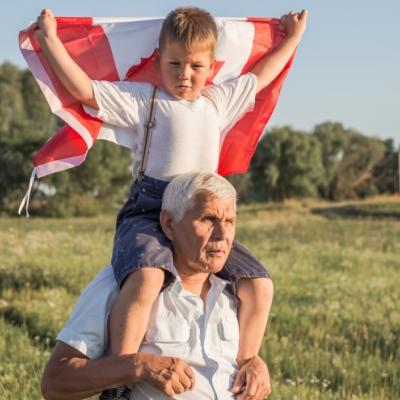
x=197, y=66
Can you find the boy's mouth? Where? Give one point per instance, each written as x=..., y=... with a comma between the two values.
x=183, y=88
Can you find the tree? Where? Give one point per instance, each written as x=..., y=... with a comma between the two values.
x=25, y=123
x=349, y=160
x=287, y=164
x=386, y=172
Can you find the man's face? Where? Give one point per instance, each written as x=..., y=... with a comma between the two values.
x=184, y=72
x=203, y=238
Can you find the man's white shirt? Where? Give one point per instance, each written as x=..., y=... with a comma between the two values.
x=204, y=335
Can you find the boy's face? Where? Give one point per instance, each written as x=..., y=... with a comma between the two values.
x=184, y=72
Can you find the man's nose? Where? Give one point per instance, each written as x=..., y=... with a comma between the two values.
x=220, y=231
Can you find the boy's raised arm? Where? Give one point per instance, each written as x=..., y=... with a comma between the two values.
x=268, y=68
x=76, y=81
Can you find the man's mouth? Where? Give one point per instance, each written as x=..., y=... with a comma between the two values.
x=216, y=252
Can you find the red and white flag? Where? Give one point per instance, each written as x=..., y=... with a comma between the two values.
x=123, y=49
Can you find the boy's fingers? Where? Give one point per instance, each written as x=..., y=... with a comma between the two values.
x=46, y=13
x=303, y=14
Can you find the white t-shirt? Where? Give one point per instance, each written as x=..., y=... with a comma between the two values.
x=188, y=134
x=205, y=335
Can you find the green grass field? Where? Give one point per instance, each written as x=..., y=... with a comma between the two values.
x=334, y=331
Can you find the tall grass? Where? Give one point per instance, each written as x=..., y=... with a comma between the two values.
x=334, y=330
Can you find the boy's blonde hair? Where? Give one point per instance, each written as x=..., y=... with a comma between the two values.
x=190, y=26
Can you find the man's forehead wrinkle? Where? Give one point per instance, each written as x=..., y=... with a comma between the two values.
x=220, y=211
x=206, y=203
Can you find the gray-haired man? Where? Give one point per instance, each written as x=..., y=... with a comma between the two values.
x=192, y=337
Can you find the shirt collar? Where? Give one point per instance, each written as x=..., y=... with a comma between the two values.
x=217, y=284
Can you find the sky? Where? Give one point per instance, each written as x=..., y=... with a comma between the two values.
x=347, y=68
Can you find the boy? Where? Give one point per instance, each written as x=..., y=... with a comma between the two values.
x=186, y=136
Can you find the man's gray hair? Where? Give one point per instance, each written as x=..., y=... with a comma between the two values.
x=181, y=191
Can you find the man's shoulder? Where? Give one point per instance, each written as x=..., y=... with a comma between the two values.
x=86, y=330
x=104, y=278
x=99, y=294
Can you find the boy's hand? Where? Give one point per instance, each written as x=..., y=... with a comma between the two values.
x=252, y=381
x=46, y=25
x=294, y=24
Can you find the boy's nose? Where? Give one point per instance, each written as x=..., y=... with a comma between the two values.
x=184, y=72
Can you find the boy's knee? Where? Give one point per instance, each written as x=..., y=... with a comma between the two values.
x=144, y=284
x=259, y=290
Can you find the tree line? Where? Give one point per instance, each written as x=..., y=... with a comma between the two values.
x=330, y=162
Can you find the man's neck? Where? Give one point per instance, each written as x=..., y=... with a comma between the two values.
x=197, y=283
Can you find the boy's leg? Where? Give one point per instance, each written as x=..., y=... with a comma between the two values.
x=255, y=291
x=130, y=314
x=255, y=297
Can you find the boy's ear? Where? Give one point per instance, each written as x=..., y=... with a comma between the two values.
x=212, y=68
x=167, y=223
x=157, y=57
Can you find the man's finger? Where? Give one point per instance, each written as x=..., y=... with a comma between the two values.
x=239, y=382
x=261, y=392
x=192, y=377
x=251, y=386
x=177, y=385
x=184, y=380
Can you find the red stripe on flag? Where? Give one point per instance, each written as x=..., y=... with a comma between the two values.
x=89, y=47
x=241, y=141
x=66, y=143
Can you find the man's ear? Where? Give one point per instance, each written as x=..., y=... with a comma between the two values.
x=167, y=223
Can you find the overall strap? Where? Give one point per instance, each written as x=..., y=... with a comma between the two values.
x=149, y=124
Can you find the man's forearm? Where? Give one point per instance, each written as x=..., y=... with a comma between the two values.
x=69, y=376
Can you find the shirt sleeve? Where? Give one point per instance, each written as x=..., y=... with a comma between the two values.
x=233, y=98
x=118, y=102
x=86, y=329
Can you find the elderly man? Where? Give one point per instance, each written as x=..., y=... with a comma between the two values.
x=191, y=343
